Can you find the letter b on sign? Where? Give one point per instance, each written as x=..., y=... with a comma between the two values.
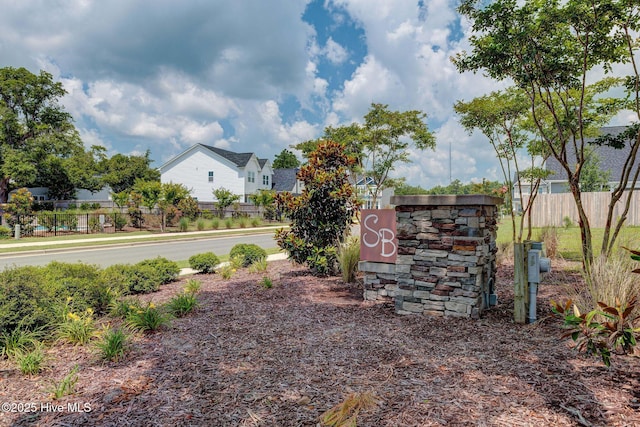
x=378, y=242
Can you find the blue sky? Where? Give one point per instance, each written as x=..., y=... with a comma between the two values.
x=251, y=75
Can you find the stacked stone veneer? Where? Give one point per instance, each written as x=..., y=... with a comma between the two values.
x=446, y=256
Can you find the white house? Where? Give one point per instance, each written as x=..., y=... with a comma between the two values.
x=365, y=186
x=203, y=168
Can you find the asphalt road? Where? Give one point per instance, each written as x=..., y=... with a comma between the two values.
x=130, y=253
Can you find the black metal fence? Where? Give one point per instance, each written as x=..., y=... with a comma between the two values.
x=47, y=224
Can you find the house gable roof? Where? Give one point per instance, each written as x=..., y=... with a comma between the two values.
x=262, y=162
x=284, y=179
x=611, y=159
x=239, y=159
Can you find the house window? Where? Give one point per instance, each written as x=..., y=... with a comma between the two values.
x=210, y=176
x=251, y=176
x=265, y=180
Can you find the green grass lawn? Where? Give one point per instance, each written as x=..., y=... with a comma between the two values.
x=569, y=241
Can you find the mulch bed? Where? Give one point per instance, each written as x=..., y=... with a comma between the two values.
x=283, y=356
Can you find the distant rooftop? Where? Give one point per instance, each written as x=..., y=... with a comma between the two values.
x=611, y=159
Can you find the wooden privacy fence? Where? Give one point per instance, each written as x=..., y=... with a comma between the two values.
x=552, y=209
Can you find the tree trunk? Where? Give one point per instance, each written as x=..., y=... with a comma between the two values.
x=4, y=190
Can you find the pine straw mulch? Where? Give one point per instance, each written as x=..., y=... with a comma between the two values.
x=283, y=356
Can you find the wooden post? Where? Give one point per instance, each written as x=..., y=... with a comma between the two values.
x=520, y=283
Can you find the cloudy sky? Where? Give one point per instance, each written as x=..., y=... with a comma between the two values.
x=251, y=75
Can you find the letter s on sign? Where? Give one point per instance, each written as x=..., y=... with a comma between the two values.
x=373, y=230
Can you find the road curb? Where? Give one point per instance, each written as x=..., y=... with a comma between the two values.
x=270, y=258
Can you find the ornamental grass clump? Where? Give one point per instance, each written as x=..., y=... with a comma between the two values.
x=113, y=344
x=147, y=319
x=182, y=304
x=604, y=318
x=30, y=362
x=17, y=340
x=66, y=386
x=76, y=328
x=346, y=412
x=348, y=258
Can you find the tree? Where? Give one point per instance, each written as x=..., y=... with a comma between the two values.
x=64, y=175
x=503, y=118
x=321, y=215
x=550, y=49
x=164, y=196
x=286, y=160
x=404, y=189
x=379, y=145
x=34, y=129
x=264, y=198
x=224, y=199
x=593, y=178
x=120, y=172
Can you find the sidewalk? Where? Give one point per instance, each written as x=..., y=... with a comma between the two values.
x=119, y=238
x=274, y=257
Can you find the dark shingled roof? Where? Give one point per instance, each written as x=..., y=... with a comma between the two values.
x=611, y=159
x=239, y=159
x=284, y=179
x=262, y=162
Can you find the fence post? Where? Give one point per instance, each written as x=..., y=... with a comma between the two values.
x=55, y=224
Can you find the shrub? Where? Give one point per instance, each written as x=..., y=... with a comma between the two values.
x=119, y=221
x=183, y=225
x=167, y=270
x=228, y=223
x=255, y=222
x=242, y=222
x=204, y=263
x=249, y=252
x=5, y=232
x=26, y=300
x=601, y=331
x=149, y=318
x=348, y=257
x=215, y=223
x=189, y=207
x=201, y=224
x=83, y=283
x=322, y=213
x=113, y=344
x=134, y=279
x=182, y=304
x=94, y=224
x=567, y=222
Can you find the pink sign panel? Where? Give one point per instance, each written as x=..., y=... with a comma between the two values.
x=378, y=242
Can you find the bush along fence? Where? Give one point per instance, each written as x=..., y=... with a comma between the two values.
x=47, y=224
x=446, y=256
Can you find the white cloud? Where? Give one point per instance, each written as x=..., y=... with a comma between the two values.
x=335, y=52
